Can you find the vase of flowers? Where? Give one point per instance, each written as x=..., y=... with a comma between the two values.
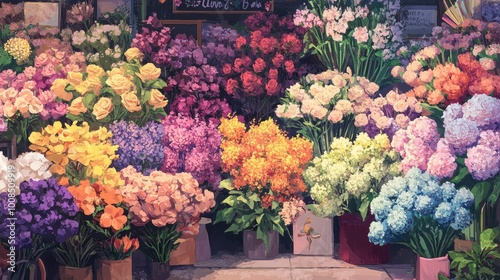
x=163, y=206
x=117, y=261
x=418, y=212
x=75, y=273
x=265, y=168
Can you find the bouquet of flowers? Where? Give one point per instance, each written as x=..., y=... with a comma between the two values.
x=130, y=92
x=80, y=14
x=43, y=214
x=387, y=114
x=265, y=65
x=322, y=107
x=104, y=44
x=350, y=175
x=192, y=146
x=468, y=153
x=11, y=13
x=265, y=168
x=140, y=147
x=162, y=206
x=343, y=36
x=418, y=212
x=15, y=53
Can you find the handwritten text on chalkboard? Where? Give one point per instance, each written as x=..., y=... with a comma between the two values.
x=418, y=20
x=211, y=6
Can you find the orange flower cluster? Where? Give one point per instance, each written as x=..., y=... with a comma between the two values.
x=94, y=197
x=264, y=158
x=452, y=82
x=481, y=81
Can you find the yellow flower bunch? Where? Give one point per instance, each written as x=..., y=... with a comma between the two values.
x=19, y=48
x=263, y=157
x=130, y=92
x=78, y=152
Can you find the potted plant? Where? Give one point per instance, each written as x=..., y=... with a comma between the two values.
x=418, y=212
x=162, y=207
x=343, y=182
x=481, y=262
x=265, y=169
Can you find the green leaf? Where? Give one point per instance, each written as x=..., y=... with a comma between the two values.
x=259, y=218
x=159, y=84
x=229, y=200
x=480, y=192
x=274, y=205
x=254, y=197
x=463, y=171
x=495, y=193
x=233, y=228
x=263, y=235
x=487, y=238
x=145, y=96
x=226, y=184
x=242, y=199
x=89, y=100
x=363, y=208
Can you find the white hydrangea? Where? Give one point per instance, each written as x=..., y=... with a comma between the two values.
x=32, y=166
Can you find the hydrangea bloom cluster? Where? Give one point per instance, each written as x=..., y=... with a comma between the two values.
x=403, y=201
x=192, y=145
x=140, y=147
x=345, y=27
x=163, y=198
x=349, y=171
x=44, y=209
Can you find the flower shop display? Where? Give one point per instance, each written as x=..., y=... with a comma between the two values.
x=130, y=92
x=467, y=154
x=324, y=106
x=192, y=146
x=479, y=263
x=163, y=206
x=360, y=35
x=43, y=214
x=343, y=182
x=265, y=170
x=419, y=212
x=266, y=63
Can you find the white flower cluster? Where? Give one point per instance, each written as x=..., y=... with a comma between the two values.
x=27, y=166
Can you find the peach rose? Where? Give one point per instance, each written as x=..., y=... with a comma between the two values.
x=74, y=78
x=343, y=106
x=35, y=106
x=77, y=107
x=308, y=105
x=402, y=121
x=319, y=112
x=487, y=63
x=400, y=106
x=148, y=72
x=372, y=88
x=120, y=84
x=435, y=97
x=397, y=71
x=356, y=92
x=414, y=66
x=58, y=87
x=410, y=78
x=95, y=71
x=339, y=81
x=335, y=116
x=134, y=53
x=93, y=84
x=157, y=99
x=9, y=110
x=382, y=122
x=288, y=111
x=131, y=102
x=259, y=65
x=360, y=120
x=426, y=76
x=102, y=108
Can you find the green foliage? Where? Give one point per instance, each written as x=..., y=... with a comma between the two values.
x=481, y=263
x=158, y=242
x=79, y=250
x=245, y=211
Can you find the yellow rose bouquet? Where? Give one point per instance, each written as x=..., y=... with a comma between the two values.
x=131, y=92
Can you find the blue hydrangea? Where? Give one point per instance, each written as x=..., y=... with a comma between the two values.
x=378, y=233
x=444, y=213
x=414, y=179
x=424, y=205
x=463, y=219
x=380, y=207
x=399, y=221
x=406, y=200
x=393, y=188
x=448, y=191
x=431, y=189
x=463, y=198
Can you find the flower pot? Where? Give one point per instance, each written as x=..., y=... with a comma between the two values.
x=429, y=269
x=463, y=245
x=32, y=270
x=159, y=271
x=354, y=245
x=114, y=269
x=256, y=249
x=185, y=254
x=313, y=235
x=203, y=251
x=75, y=273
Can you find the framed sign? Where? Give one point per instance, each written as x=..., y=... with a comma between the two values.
x=418, y=20
x=223, y=6
x=43, y=13
x=188, y=27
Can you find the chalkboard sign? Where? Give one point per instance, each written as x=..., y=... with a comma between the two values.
x=418, y=20
x=223, y=6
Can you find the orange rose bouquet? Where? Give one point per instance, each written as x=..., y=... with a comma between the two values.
x=131, y=92
x=266, y=171
x=162, y=207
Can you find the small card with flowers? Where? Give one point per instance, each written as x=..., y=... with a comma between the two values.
x=313, y=235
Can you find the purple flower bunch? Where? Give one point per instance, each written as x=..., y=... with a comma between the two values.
x=43, y=209
x=269, y=24
x=491, y=12
x=152, y=38
x=218, y=44
x=140, y=147
x=472, y=130
x=192, y=146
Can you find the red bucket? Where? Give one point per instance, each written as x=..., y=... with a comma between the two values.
x=354, y=245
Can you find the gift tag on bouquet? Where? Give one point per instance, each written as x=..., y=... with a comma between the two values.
x=313, y=235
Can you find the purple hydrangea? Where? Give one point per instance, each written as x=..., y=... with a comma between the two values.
x=43, y=209
x=140, y=147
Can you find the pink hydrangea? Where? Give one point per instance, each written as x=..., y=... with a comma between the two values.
x=483, y=163
x=461, y=133
x=425, y=129
x=482, y=109
x=490, y=139
x=452, y=112
x=441, y=165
